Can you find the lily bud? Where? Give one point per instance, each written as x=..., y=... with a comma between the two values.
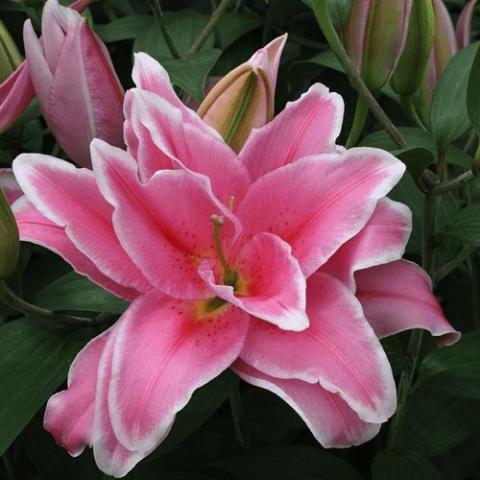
x=9, y=239
x=411, y=68
x=79, y=93
x=444, y=48
x=244, y=98
x=375, y=34
x=10, y=57
x=464, y=24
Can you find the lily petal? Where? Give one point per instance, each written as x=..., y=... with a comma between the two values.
x=307, y=126
x=398, y=296
x=69, y=197
x=382, y=240
x=38, y=229
x=163, y=352
x=167, y=139
x=318, y=203
x=332, y=422
x=339, y=350
x=69, y=413
x=275, y=288
x=16, y=92
x=111, y=456
x=164, y=224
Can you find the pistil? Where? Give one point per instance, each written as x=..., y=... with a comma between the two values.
x=230, y=276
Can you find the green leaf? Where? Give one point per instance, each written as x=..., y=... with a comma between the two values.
x=75, y=292
x=203, y=404
x=454, y=370
x=389, y=465
x=473, y=93
x=190, y=73
x=448, y=116
x=34, y=359
x=125, y=28
x=184, y=27
x=435, y=423
x=232, y=26
x=417, y=159
x=416, y=138
x=288, y=463
x=465, y=225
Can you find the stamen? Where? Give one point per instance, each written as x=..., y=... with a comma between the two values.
x=229, y=275
x=231, y=202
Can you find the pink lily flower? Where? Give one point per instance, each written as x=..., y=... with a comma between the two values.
x=231, y=261
x=17, y=91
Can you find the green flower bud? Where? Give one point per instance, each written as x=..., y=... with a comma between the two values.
x=9, y=239
x=374, y=37
x=413, y=63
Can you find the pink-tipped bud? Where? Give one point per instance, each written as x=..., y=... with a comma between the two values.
x=375, y=34
x=444, y=48
x=464, y=24
x=79, y=93
x=244, y=98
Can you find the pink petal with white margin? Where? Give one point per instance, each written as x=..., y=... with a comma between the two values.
x=70, y=198
x=111, y=456
x=332, y=422
x=164, y=224
x=307, y=126
x=166, y=349
x=149, y=75
x=318, y=203
x=339, y=350
x=36, y=228
x=274, y=283
x=69, y=413
x=382, y=240
x=398, y=296
x=183, y=145
x=9, y=185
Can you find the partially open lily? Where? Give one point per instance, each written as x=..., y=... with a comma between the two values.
x=17, y=91
x=231, y=260
x=244, y=98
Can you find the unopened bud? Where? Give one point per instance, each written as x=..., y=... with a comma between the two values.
x=444, y=48
x=375, y=34
x=9, y=239
x=244, y=98
x=10, y=57
x=411, y=68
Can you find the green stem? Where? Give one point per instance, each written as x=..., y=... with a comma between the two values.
x=454, y=183
x=455, y=262
x=409, y=107
x=237, y=415
x=208, y=29
x=12, y=300
x=322, y=14
x=415, y=343
x=160, y=19
x=359, y=119
x=442, y=167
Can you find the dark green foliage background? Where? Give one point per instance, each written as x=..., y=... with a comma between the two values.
x=231, y=430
